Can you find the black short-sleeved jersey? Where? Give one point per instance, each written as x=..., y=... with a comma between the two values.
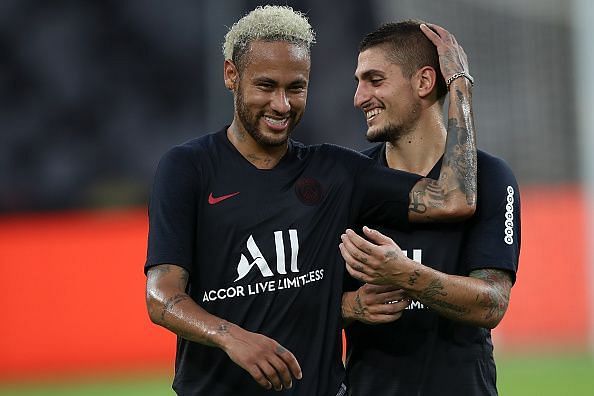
x=423, y=353
x=261, y=249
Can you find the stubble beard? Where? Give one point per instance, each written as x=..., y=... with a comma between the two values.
x=250, y=121
x=392, y=132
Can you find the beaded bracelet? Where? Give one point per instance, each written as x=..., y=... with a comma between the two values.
x=458, y=75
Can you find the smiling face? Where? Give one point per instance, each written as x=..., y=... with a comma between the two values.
x=386, y=96
x=270, y=90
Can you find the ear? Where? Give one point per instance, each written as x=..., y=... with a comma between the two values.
x=426, y=80
x=230, y=74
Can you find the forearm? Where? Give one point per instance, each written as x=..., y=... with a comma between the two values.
x=177, y=312
x=478, y=301
x=453, y=195
x=458, y=171
x=351, y=307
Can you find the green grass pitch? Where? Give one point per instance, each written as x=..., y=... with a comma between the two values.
x=517, y=376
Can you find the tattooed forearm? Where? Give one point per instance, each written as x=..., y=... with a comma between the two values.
x=431, y=296
x=495, y=299
x=461, y=147
x=171, y=302
x=417, y=203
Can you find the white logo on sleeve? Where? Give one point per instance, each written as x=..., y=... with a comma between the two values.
x=258, y=260
x=509, y=217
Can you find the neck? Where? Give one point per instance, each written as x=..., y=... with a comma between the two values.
x=262, y=157
x=419, y=151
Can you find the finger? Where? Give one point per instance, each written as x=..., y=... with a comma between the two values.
x=380, y=289
x=290, y=360
x=391, y=296
x=259, y=376
x=443, y=33
x=431, y=34
x=271, y=374
x=377, y=237
x=349, y=258
x=282, y=370
x=349, y=266
x=355, y=251
x=380, y=319
x=360, y=242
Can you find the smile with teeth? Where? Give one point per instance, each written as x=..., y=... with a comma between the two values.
x=372, y=113
x=276, y=123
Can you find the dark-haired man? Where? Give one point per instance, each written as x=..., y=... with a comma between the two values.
x=242, y=261
x=429, y=295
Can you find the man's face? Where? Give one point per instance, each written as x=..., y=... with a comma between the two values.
x=386, y=97
x=271, y=93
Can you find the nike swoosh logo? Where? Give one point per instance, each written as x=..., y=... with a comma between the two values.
x=215, y=200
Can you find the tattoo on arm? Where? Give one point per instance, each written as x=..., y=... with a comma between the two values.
x=412, y=279
x=358, y=309
x=496, y=299
x=172, y=302
x=432, y=297
x=461, y=146
x=417, y=203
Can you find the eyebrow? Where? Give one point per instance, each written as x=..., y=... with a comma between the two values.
x=298, y=81
x=370, y=73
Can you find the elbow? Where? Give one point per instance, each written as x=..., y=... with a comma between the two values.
x=154, y=308
x=461, y=207
x=492, y=323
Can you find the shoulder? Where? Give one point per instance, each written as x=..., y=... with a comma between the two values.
x=343, y=152
x=494, y=172
x=188, y=155
x=374, y=151
x=497, y=185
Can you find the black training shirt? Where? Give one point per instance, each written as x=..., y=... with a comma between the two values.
x=261, y=249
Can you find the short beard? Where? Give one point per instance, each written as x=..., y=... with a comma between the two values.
x=390, y=133
x=249, y=124
x=393, y=132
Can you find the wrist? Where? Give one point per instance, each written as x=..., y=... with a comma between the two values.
x=346, y=305
x=222, y=335
x=459, y=76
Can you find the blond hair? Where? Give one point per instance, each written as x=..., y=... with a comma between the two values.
x=268, y=23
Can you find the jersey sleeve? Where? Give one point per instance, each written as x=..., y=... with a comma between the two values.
x=172, y=210
x=381, y=195
x=493, y=237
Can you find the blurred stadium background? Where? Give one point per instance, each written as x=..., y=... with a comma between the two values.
x=93, y=92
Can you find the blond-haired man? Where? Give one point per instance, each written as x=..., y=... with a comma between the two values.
x=242, y=261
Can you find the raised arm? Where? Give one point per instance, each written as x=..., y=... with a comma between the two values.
x=453, y=195
x=269, y=363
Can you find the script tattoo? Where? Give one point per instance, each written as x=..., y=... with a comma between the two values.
x=171, y=302
x=496, y=299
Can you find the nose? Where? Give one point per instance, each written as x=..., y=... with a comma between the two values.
x=361, y=95
x=280, y=102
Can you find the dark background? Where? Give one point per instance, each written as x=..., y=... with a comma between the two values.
x=92, y=93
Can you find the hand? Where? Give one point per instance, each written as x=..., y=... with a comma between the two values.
x=268, y=362
x=452, y=58
x=379, y=261
x=373, y=304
